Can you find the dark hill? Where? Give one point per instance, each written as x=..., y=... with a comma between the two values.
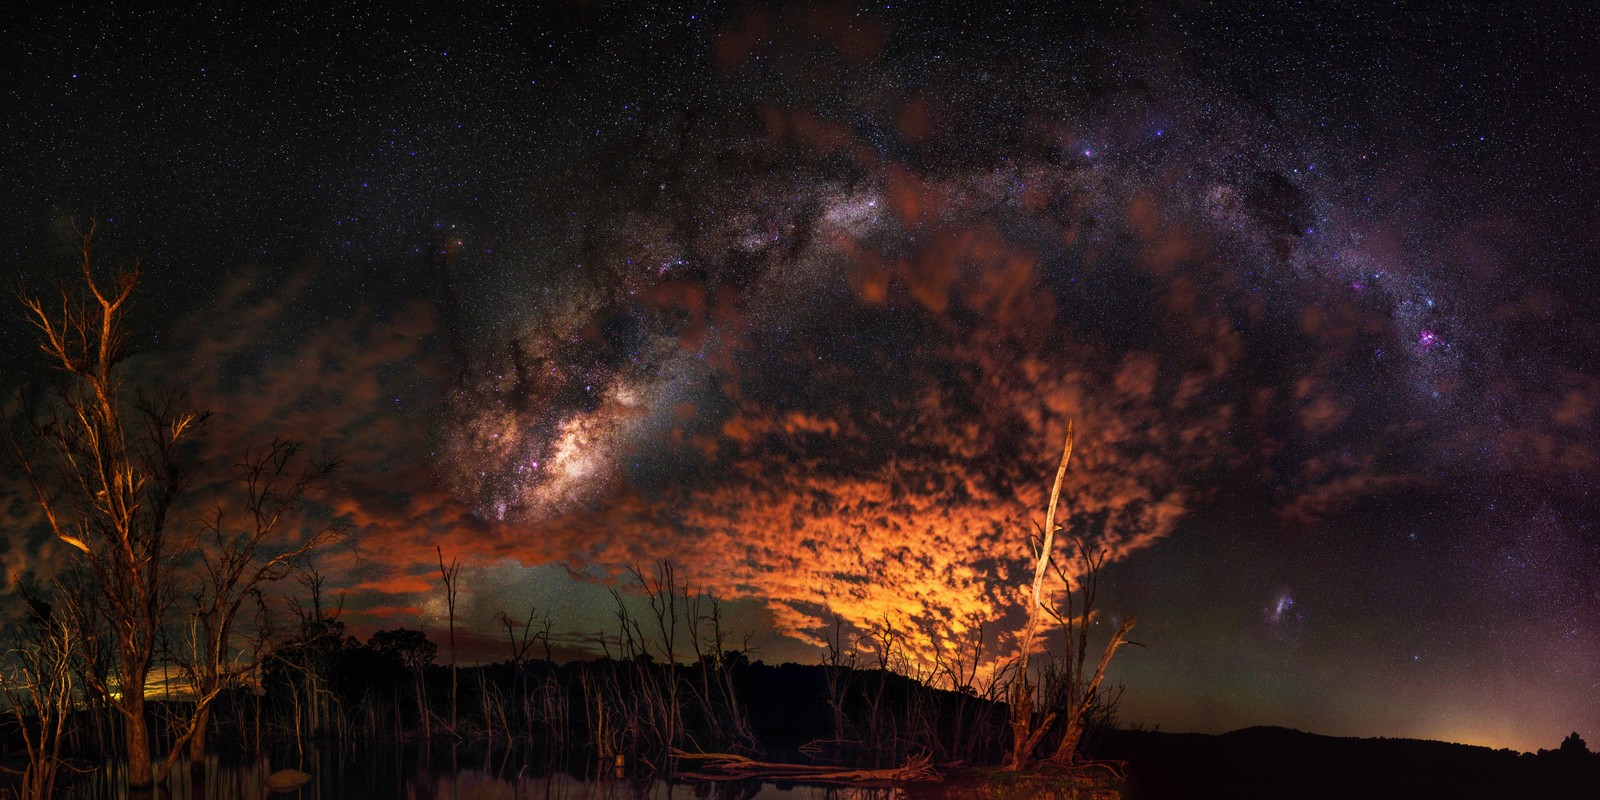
x=1285, y=763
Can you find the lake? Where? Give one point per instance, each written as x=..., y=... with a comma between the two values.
x=442, y=772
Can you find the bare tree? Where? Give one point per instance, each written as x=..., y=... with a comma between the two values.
x=108, y=471
x=1068, y=689
x=111, y=467
x=1071, y=699
x=521, y=643
x=1025, y=730
x=306, y=660
x=524, y=641
x=243, y=551
x=37, y=686
x=449, y=575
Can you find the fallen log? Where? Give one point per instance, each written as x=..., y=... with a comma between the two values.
x=728, y=766
x=286, y=780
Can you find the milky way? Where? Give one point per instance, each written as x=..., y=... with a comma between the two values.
x=803, y=299
x=823, y=360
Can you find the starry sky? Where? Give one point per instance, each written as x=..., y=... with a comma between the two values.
x=802, y=297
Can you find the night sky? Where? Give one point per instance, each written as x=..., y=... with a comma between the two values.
x=803, y=297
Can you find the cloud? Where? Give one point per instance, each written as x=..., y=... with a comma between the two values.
x=888, y=462
x=830, y=375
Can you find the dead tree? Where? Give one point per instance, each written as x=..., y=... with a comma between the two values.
x=307, y=658
x=108, y=470
x=449, y=575
x=1025, y=730
x=1070, y=690
x=37, y=686
x=520, y=644
x=1071, y=699
x=244, y=550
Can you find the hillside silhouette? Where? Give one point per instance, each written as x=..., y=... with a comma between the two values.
x=1282, y=763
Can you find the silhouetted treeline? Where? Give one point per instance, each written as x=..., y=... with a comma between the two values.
x=326, y=684
x=392, y=687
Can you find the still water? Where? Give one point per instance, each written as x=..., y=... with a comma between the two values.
x=443, y=773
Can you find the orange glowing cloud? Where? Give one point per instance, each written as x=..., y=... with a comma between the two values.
x=842, y=400
x=919, y=522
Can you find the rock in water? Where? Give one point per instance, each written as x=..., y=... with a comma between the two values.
x=287, y=780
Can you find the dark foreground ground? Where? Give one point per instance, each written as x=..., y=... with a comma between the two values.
x=1252, y=763
x=1283, y=763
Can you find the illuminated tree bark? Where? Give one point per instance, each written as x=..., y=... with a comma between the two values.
x=38, y=689
x=1072, y=696
x=109, y=466
x=108, y=470
x=1025, y=730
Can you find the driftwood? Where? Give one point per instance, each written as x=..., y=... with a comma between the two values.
x=286, y=780
x=728, y=767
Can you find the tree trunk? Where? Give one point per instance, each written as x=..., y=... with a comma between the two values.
x=1024, y=733
x=141, y=772
x=422, y=704
x=1067, y=750
x=197, y=743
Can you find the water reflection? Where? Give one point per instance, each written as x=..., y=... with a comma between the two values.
x=460, y=773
